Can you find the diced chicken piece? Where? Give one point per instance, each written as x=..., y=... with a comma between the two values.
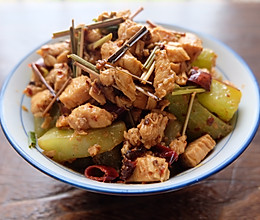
x=150, y=169
x=142, y=101
x=96, y=93
x=54, y=49
x=89, y=116
x=175, y=67
x=125, y=83
x=123, y=14
x=179, y=144
x=40, y=101
x=181, y=79
x=62, y=122
x=76, y=93
x=31, y=90
x=61, y=71
x=164, y=76
x=50, y=52
x=138, y=49
x=133, y=136
x=176, y=54
x=151, y=129
x=127, y=61
x=122, y=79
x=130, y=63
x=128, y=29
x=192, y=45
x=63, y=57
x=92, y=35
x=106, y=77
x=160, y=34
x=197, y=151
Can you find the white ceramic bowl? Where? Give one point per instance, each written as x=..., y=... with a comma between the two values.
x=16, y=123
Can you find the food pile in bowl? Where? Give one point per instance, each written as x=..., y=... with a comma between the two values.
x=124, y=102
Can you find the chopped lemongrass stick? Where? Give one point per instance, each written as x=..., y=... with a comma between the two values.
x=83, y=62
x=151, y=57
x=127, y=72
x=188, y=113
x=86, y=68
x=114, y=57
x=100, y=42
x=149, y=73
x=187, y=91
x=72, y=38
x=99, y=24
x=152, y=25
x=80, y=49
x=56, y=96
x=105, y=23
x=147, y=93
x=73, y=45
x=136, y=13
x=38, y=73
x=31, y=139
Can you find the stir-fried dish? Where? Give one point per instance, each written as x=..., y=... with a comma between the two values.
x=120, y=101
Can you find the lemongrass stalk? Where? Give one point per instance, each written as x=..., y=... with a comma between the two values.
x=80, y=49
x=149, y=73
x=187, y=91
x=100, y=42
x=83, y=62
x=150, y=59
x=99, y=24
x=56, y=96
x=188, y=113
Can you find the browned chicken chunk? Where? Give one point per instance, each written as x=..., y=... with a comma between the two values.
x=192, y=45
x=164, y=76
x=127, y=61
x=76, y=93
x=176, y=54
x=160, y=34
x=89, y=116
x=128, y=29
x=40, y=101
x=121, y=78
x=197, y=151
x=150, y=169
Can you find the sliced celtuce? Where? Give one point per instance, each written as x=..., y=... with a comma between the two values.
x=65, y=145
x=201, y=120
x=206, y=59
x=222, y=99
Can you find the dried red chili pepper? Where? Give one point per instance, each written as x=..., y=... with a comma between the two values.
x=101, y=173
x=201, y=78
x=165, y=152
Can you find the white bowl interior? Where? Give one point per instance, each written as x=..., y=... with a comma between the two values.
x=16, y=123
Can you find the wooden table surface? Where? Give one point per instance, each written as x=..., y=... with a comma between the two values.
x=26, y=193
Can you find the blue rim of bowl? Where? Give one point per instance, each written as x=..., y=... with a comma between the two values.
x=114, y=191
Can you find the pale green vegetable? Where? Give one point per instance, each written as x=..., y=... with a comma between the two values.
x=64, y=145
x=201, y=120
x=172, y=130
x=222, y=99
x=206, y=59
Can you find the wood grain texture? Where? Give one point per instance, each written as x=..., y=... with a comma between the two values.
x=26, y=193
